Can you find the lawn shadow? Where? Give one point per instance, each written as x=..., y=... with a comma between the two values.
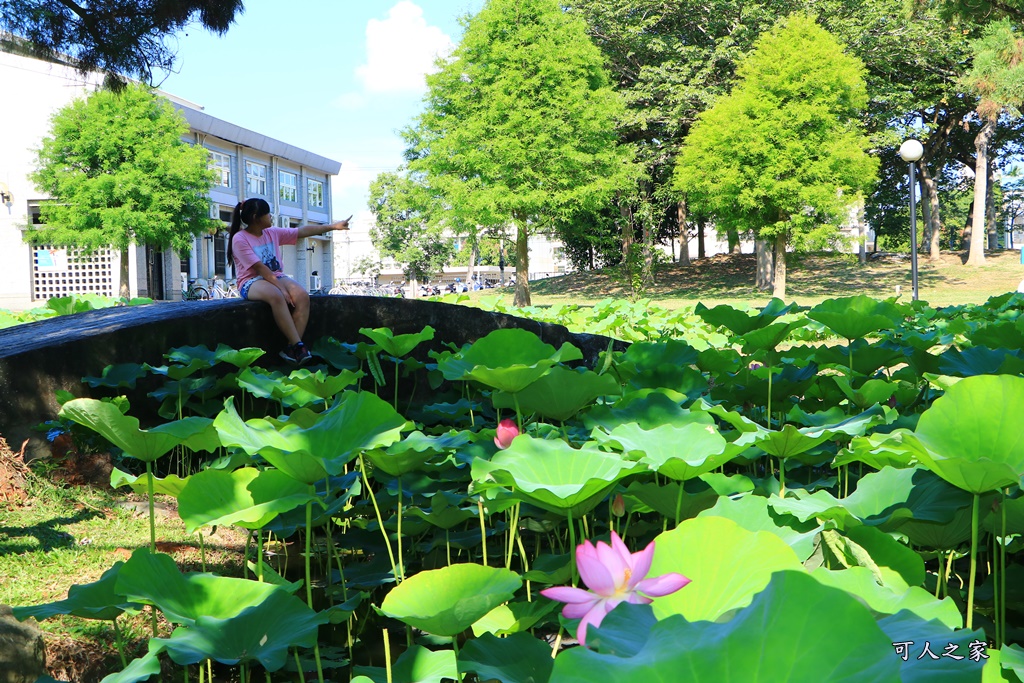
x=48, y=534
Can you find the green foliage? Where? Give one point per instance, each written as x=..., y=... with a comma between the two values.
x=121, y=175
x=783, y=153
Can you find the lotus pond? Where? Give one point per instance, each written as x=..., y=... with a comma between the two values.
x=825, y=494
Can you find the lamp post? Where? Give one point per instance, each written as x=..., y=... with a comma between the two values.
x=911, y=151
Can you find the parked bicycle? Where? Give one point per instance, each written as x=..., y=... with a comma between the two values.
x=225, y=290
x=194, y=291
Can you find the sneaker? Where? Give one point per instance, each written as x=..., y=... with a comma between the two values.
x=297, y=353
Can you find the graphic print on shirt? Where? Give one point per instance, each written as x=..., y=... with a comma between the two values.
x=265, y=252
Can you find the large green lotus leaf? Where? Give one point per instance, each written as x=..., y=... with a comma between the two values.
x=742, y=322
x=769, y=336
x=725, y=578
x=356, y=422
x=444, y=511
x=891, y=596
x=171, y=485
x=561, y=393
x=1014, y=518
x=447, y=601
x=183, y=598
x=650, y=355
x=979, y=360
x=877, y=450
x=794, y=631
x=886, y=551
x=262, y=633
x=552, y=474
x=856, y=316
x=96, y=600
x=679, y=452
x=906, y=628
x=790, y=441
x=1012, y=658
x=971, y=436
x=397, y=345
x=124, y=432
x=271, y=386
x=867, y=356
x=240, y=358
x=508, y=359
x=1000, y=335
x=118, y=375
x=247, y=497
x=993, y=672
x=648, y=408
x=414, y=450
x=871, y=392
x=320, y=385
x=753, y=514
x=664, y=499
x=140, y=669
x=415, y=665
x=939, y=535
x=513, y=617
x=519, y=658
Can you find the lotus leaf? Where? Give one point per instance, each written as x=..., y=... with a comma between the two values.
x=262, y=633
x=679, y=452
x=971, y=436
x=140, y=669
x=740, y=566
x=356, y=422
x=447, y=601
x=339, y=356
x=410, y=453
x=553, y=475
x=118, y=375
x=886, y=551
x=753, y=514
x=768, y=337
x=979, y=360
x=397, y=345
x=96, y=600
x=561, y=393
x=647, y=408
x=518, y=658
x=794, y=631
x=183, y=598
x=179, y=372
x=415, y=665
x=892, y=595
x=907, y=627
x=247, y=497
x=867, y=357
x=171, y=485
x=124, y=432
x=507, y=359
x=741, y=322
x=240, y=358
x=856, y=316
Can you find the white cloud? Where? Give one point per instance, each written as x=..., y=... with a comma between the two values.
x=350, y=101
x=401, y=50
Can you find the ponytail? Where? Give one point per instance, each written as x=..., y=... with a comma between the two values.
x=246, y=211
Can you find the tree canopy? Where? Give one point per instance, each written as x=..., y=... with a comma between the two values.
x=119, y=37
x=784, y=153
x=519, y=125
x=119, y=174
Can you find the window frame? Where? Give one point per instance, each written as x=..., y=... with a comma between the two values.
x=282, y=186
x=221, y=162
x=255, y=182
x=311, y=197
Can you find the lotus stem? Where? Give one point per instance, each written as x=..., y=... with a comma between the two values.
x=152, y=509
x=396, y=385
x=974, y=561
x=387, y=655
x=309, y=577
x=298, y=666
x=572, y=549
x=519, y=415
x=679, y=503
x=119, y=639
x=401, y=557
x=202, y=549
x=513, y=528
x=380, y=520
x=526, y=565
x=994, y=573
x=483, y=528
x=455, y=648
x=768, y=416
x=782, y=478
x=1002, y=571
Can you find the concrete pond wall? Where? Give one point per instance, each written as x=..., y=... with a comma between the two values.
x=37, y=359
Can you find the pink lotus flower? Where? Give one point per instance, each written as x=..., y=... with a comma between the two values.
x=506, y=431
x=614, y=575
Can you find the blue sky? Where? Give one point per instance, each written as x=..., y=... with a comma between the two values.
x=336, y=77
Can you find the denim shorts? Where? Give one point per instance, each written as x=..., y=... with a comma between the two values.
x=244, y=289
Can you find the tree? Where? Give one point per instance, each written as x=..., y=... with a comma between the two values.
x=405, y=229
x=784, y=154
x=519, y=126
x=120, y=37
x=120, y=174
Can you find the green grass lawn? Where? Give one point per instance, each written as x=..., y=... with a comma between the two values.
x=812, y=278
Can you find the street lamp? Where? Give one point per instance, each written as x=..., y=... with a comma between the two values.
x=911, y=151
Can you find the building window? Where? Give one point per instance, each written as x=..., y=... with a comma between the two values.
x=255, y=178
x=221, y=164
x=289, y=184
x=315, y=189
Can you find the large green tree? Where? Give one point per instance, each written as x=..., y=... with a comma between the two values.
x=119, y=174
x=784, y=154
x=119, y=37
x=519, y=125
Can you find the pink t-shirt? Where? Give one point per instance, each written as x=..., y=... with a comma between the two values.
x=247, y=250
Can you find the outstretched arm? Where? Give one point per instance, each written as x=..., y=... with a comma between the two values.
x=310, y=230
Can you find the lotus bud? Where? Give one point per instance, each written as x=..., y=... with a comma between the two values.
x=618, y=505
x=506, y=431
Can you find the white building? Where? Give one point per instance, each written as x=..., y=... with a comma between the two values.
x=296, y=183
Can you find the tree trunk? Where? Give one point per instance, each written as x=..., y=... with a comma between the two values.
x=976, y=254
x=414, y=288
x=734, y=241
x=647, y=269
x=765, y=265
x=684, y=237
x=124, y=291
x=779, y=284
x=926, y=214
x=627, y=228
x=930, y=207
x=474, y=254
x=522, y=297
x=701, y=253
x=990, y=208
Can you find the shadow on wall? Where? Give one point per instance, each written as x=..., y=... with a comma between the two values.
x=37, y=359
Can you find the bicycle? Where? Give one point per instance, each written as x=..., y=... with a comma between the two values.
x=194, y=292
x=230, y=291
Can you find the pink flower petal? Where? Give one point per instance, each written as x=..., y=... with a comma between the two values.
x=641, y=564
x=637, y=599
x=622, y=550
x=579, y=610
x=662, y=585
x=595, y=616
x=616, y=565
x=569, y=594
x=593, y=572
